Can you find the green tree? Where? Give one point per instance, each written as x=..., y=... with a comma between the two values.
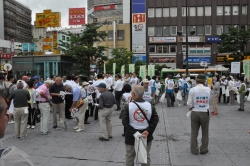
x=82, y=48
x=234, y=42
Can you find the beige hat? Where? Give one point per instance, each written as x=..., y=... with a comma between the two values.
x=223, y=77
x=85, y=83
x=145, y=81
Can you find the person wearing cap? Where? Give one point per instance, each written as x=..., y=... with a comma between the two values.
x=44, y=105
x=147, y=95
x=20, y=97
x=170, y=91
x=118, y=91
x=106, y=103
x=91, y=92
x=223, y=85
x=198, y=103
x=242, y=91
x=11, y=155
x=84, y=90
x=37, y=83
x=57, y=101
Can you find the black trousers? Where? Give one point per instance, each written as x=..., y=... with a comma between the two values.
x=225, y=99
x=38, y=112
x=32, y=116
x=96, y=109
x=118, y=95
x=91, y=109
x=68, y=104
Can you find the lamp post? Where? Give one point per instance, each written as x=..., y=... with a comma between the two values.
x=186, y=38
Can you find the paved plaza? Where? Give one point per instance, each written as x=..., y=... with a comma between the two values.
x=229, y=141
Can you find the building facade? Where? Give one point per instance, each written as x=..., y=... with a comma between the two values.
x=17, y=21
x=208, y=18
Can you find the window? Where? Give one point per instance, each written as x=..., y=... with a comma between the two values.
x=219, y=10
x=244, y=9
x=192, y=11
x=151, y=12
x=207, y=10
x=151, y=48
x=199, y=11
x=192, y=28
x=235, y=10
x=67, y=38
x=197, y=48
x=164, y=49
x=243, y=27
x=219, y=29
x=227, y=10
x=184, y=11
x=165, y=12
x=208, y=30
x=120, y=34
x=110, y=35
x=166, y=31
x=172, y=49
x=200, y=30
x=63, y=37
x=102, y=38
x=158, y=31
x=173, y=12
x=151, y=31
x=184, y=32
x=158, y=12
x=173, y=30
x=159, y=49
x=226, y=30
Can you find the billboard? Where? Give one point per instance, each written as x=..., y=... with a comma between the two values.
x=213, y=39
x=77, y=16
x=32, y=47
x=196, y=59
x=162, y=39
x=191, y=39
x=48, y=19
x=108, y=7
x=162, y=59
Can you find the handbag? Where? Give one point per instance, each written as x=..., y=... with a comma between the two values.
x=79, y=103
x=162, y=97
x=142, y=111
x=179, y=96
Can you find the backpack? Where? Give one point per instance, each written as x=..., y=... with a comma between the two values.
x=5, y=92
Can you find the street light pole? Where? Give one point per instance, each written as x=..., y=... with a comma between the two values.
x=186, y=39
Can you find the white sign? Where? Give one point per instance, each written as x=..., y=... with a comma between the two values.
x=203, y=63
x=139, y=48
x=139, y=28
x=162, y=39
x=235, y=67
x=192, y=39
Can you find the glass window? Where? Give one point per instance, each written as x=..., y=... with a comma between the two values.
x=151, y=12
x=199, y=11
x=219, y=29
x=151, y=31
x=165, y=12
x=184, y=11
x=207, y=48
x=184, y=32
x=207, y=10
x=165, y=49
x=226, y=30
x=172, y=49
x=244, y=9
x=173, y=30
x=243, y=27
x=219, y=10
x=158, y=12
x=151, y=48
x=183, y=48
x=159, y=49
x=166, y=31
x=173, y=12
x=192, y=28
x=199, y=48
x=227, y=10
x=120, y=34
x=208, y=30
x=110, y=35
x=200, y=30
x=236, y=26
x=192, y=11
x=158, y=31
x=236, y=10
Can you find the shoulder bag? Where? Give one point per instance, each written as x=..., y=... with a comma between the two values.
x=145, y=116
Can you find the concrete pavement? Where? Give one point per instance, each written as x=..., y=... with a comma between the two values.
x=229, y=141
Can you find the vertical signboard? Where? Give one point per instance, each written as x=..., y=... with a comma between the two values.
x=25, y=46
x=54, y=40
x=76, y=16
x=139, y=26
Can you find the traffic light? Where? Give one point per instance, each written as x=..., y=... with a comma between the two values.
x=228, y=58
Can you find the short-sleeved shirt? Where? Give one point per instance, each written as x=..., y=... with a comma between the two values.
x=77, y=93
x=56, y=89
x=43, y=88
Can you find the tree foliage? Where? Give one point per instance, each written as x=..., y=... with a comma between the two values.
x=82, y=48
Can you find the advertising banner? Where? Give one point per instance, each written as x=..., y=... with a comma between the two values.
x=25, y=46
x=114, y=67
x=139, y=57
x=123, y=70
x=47, y=47
x=6, y=56
x=142, y=73
x=104, y=7
x=131, y=68
x=162, y=39
x=235, y=67
x=197, y=59
x=47, y=40
x=139, y=47
x=48, y=19
x=151, y=70
x=191, y=39
x=139, y=18
x=55, y=40
x=77, y=16
x=162, y=59
x=139, y=28
x=246, y=69
x=213, y=39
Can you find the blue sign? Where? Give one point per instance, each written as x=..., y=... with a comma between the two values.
x=213, y=39
x=197, y=59
x=138, y=1
x=139, y=57
x=138, y=6
x=32, y=47
x=25, y=46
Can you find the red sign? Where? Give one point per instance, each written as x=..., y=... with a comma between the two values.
x=139, y=18
x=6, y=56
x=162, y=60
x=105, y=7
x=77, y=16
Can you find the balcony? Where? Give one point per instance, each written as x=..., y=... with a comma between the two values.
x=22, y=21
x=10, y=32
x=10, y=24
x=6, y=6
x=11, y=16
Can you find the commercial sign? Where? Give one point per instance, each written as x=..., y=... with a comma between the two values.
x=48, y=19
x=77, y=16
x=110, y=18
x=55, y=40
x=138, y=47
x=47, y=40
x=139, y=18
x=235, y=67
x=246, y=68
x=213, y=39
x=47, y=47
x=162, y=39
x=191, y=39
x=139, y=28
x=25, y=46
x=108, y=7
x=139, y=57
x=197, y=59
x=32, y=47
x=6, y=56
x=162, y=59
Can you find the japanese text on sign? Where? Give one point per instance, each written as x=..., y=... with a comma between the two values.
x=76, y=16
x=48, y=19
x=139, y=18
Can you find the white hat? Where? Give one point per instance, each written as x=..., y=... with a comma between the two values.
x=223, y=77
x=145, y=81
x=188, y=79
x=243, y=73
x=178, y=75
x=184, y=74
x=85, y=83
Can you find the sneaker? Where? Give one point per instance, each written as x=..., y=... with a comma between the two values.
x=79, y=130
x=103, y=139
x=214, y=114
x=76, y=128
x=23, y=137
x=32, y=127
x=28, y=126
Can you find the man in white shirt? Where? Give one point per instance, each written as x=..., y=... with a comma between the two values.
x=134, y=80
x=223, y=86
x=118, y=91
x=108, y=81
x=198, y=103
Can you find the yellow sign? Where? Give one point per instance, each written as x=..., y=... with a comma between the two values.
x=48, y=19
x=47, y=47
x=47, y=40
x=55, y=40
x=209, y=81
